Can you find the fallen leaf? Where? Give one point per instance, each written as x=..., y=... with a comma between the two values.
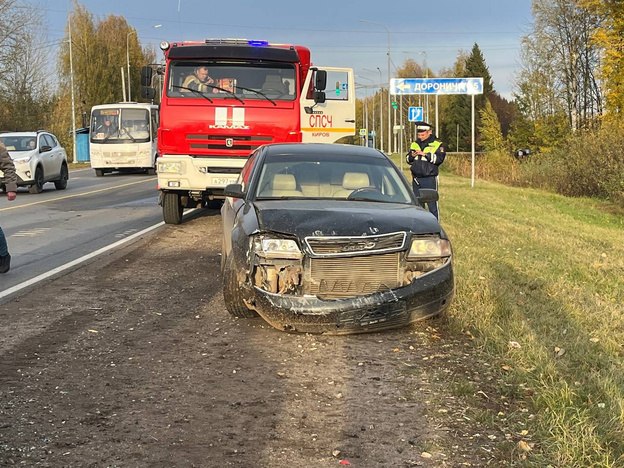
x=396, y=350
x=514, y=344
x=594, y=340
x=426, y=455
x=335, y=452
x=523, y=446
x=93, y=331
x=506, y=368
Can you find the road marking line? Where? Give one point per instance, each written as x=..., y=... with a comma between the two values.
x=77, y=195
x=31, y=233
x=73, y=263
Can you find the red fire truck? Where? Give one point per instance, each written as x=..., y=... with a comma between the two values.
x=223, y=98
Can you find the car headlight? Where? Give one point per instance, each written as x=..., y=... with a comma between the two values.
x=278, y=248
x=429, y=247
x=170, y=167
x=22, y=160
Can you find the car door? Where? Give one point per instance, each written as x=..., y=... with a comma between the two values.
x=48, y=159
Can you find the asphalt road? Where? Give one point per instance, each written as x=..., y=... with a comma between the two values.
x=50, y=229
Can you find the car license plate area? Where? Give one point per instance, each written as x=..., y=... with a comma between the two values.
x=370, y=316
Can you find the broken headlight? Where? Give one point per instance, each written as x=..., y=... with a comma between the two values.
x=269, y=247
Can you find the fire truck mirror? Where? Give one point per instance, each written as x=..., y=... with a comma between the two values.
x=148, y=93
x=321, y=81
x=146, y=76
x=319, y=97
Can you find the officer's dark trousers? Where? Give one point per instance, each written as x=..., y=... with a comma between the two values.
x=429, y=183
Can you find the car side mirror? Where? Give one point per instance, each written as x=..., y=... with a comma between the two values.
x=234, y=191
x=146, y=76
x=45, y=148
x=320, y=82
x=426, y=195
x=148, y=93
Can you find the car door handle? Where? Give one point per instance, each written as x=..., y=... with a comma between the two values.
x=350, y=120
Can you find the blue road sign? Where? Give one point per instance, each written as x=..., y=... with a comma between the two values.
x=415, y=114
x=436, y=86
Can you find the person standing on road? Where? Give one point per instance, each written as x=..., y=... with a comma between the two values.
x=425, y=156
x=10, y=184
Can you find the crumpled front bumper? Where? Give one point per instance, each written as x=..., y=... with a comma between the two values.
x=426, y=296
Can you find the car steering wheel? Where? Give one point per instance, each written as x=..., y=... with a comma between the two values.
x=367, y=190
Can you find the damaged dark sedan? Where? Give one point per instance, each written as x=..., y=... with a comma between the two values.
x=327, y=238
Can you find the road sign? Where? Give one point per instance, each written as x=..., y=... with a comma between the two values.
x=363, y=132
x=436, y=86
x=415, y=114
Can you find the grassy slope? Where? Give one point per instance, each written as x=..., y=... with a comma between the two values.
x=546, y=272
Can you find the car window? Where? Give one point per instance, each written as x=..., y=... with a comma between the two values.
x=47, y=140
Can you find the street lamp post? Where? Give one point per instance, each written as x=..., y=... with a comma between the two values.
x=128, y=53
x=381, y=138
x=71, y=82
x=388, y=53
x=424, y=54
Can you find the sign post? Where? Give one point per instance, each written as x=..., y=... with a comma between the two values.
x=437, y=86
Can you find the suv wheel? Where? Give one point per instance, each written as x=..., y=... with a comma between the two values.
x=61, y=184
x=37, y=187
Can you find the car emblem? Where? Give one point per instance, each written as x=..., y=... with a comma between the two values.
x=229, y=142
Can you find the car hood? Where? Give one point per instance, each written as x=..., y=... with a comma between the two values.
x=342, y=218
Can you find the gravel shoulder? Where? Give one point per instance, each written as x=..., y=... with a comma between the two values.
x=133, y=361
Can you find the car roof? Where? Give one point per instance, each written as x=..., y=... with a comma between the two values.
x=22, y=134
x=277, y=149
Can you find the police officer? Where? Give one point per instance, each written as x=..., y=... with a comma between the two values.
x=424, y=157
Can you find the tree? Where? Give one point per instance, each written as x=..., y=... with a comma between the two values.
x=24, y=92
x=559, y=61
x=490, y=130
x=608, y=38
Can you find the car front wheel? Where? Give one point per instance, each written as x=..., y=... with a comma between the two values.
x=37, y=187
x=232, y=293
x=61, y=184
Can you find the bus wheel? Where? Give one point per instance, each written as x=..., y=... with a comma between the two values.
x=99, y=173
x=172, y=208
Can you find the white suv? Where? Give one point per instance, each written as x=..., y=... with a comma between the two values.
x=38, y=158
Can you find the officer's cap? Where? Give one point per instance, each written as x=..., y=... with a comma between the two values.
x=422, y=126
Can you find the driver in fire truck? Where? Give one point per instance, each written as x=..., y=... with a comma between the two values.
x=198, y=80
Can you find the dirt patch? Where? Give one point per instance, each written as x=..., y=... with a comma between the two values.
x=133, y=361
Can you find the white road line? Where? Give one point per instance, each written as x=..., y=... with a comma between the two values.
x=56, y=271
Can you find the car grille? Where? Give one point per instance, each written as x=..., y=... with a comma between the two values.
x=342, y=277
x=342, y=246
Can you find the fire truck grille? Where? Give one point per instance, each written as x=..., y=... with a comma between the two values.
x=246, y=143
x=342, y=277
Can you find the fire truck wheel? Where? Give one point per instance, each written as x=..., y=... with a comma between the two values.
x=231, y=293
x=172, y=208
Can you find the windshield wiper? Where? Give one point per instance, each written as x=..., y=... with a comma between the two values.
x=260, y=93
x=225, y=91
x=129, y=134
x=194, y=91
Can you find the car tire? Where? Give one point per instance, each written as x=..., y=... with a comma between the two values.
x=61, y=184
x=172, y=208
x=99, y=173
x=231, y=293
x=37, y=187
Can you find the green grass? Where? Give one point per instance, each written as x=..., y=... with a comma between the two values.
x=547, y=272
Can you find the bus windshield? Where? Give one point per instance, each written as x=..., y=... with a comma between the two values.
x=120, y=125
x=227, y=80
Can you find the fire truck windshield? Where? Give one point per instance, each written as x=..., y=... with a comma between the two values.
x=231, y=80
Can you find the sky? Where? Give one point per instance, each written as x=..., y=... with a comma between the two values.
x=333, y=30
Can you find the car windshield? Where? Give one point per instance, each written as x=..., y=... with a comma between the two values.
x=331, y=176
x=117, y=125
x=19, y=143
x=227, y=80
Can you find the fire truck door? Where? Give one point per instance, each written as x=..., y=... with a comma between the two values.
x=327, y=122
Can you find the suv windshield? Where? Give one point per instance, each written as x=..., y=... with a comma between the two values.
x=120, y=125
x=19, y=143
x=217, y=80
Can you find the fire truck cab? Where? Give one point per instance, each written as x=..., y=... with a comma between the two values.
x=223, y=98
